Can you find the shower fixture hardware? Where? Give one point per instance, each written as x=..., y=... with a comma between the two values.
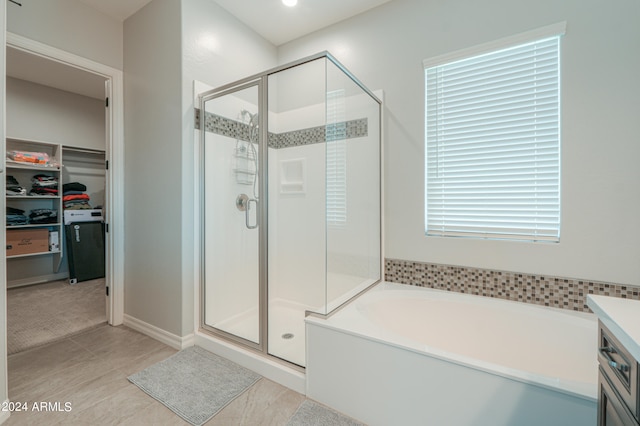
x=245, y=153
x=243, y=203
x=245, y=165
x=247, y=215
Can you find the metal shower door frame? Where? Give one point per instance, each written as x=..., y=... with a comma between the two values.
x=263, y=272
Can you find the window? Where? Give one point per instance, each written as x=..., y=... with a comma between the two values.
x=336, y=158
x=492, y=130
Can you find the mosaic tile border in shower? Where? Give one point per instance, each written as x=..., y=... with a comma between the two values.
x=564, y=293
x=319, y=134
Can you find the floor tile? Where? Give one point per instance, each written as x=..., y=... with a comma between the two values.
x=155, y=415
x=38, y=363
x=90, y=393
x=90, y=372
x=118, y=346
x=147, y=360
x=265, y=403
x=70, y=377
x=116, y=409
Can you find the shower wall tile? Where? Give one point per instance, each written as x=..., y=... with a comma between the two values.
x=222, y=126
x=557, y=292
x=352, y=264
x=297, y=137
x=319, y=134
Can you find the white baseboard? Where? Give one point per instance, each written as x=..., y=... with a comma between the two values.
x=37, y=280
x=159, y=334
x=4, y=415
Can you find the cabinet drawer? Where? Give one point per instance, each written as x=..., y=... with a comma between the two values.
x=611, y=410
x=620, y=368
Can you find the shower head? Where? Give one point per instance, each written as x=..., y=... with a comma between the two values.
x=253, y=118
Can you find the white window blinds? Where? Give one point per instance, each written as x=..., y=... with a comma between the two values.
x=493, y=144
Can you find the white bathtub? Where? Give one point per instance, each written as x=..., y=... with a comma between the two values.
x=402, y=355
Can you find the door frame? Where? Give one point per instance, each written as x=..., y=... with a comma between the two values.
x=203, y=98
x=114, y=214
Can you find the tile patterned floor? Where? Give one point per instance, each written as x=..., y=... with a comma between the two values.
x=90, y=372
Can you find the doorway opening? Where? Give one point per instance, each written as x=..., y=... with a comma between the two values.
x=70, y=109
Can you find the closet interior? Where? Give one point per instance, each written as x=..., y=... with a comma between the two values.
x=55, y=198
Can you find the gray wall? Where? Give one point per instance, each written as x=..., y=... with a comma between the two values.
x=47, y=114
x=168, y=45
x=153, y=157
x=600, y=102
x=69, y=25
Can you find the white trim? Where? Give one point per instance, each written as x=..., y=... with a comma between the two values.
x=380, y=94
x=272, y=370
x=115, y=156
x=159, y=334
x=539, y=33
x=198, y=87
x=4, y=377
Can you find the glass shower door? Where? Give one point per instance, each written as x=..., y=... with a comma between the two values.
x=231, y=292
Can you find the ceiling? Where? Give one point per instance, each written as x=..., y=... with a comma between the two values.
x=280, y=24
x=269, y=18
x=34, y=68
x=119, y=9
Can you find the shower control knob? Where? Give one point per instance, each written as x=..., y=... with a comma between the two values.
x=241, y=202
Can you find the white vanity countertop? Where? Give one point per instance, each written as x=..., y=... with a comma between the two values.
x=621, y=317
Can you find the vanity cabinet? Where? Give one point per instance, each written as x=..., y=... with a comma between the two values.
x=618, y=378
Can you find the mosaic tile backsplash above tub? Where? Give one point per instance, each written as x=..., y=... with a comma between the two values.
x=565, y=293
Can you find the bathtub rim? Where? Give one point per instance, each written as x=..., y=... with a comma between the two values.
x=586, y=391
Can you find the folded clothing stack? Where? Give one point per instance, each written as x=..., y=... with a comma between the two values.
x=40, y=216
x=74, y=197
x=15, y=217
x=29, y=157
x=13, y=187
x=42, y=184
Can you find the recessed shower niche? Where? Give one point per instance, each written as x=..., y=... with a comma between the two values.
x=292, y=176
x=291, y=202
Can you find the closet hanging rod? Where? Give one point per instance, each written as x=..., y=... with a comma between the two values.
x=83, y=150
x=78, y=163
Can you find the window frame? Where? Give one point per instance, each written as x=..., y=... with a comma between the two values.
x=556, y=30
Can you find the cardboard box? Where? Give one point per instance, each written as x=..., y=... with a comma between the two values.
x=27, y=241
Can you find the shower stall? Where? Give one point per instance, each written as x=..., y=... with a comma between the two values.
x=291, y=202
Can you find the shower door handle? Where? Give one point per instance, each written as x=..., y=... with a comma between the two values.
x=247, y=215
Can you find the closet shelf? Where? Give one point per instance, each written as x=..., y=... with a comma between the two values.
x=23, y=173
x=32, y=197
x=34, y=225
x=33, y=254
x=26, y=166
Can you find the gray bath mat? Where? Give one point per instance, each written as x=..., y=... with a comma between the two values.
x=313, y=414
x=194, y=383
